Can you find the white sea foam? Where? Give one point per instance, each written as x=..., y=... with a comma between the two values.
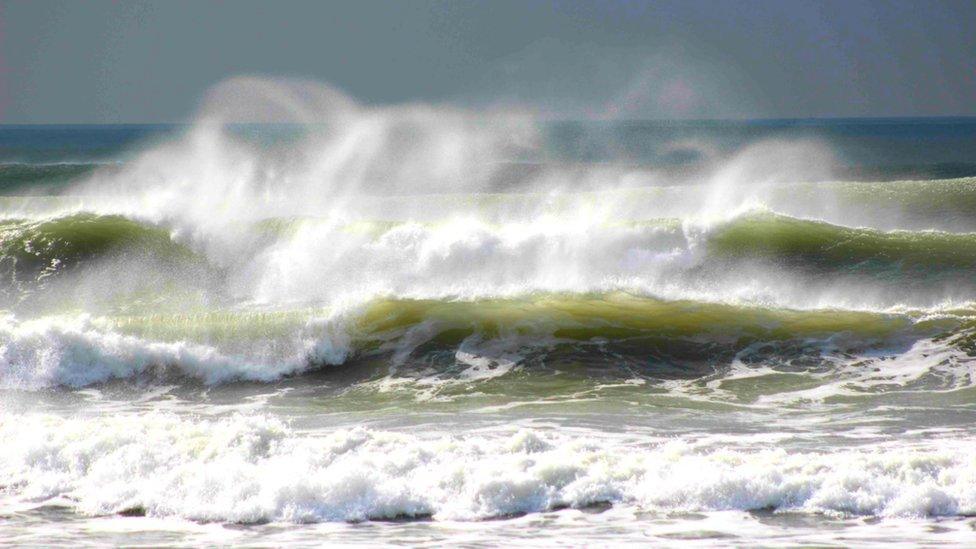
x=77, y=351
x=252, y=469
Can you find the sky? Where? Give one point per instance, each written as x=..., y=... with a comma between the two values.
x=105, y=61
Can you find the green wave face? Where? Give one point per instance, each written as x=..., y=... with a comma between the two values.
x=937, y=202
x=619, y=316
x=676, y=338
x=140, y=263
x=831, y=247
x=34, y=246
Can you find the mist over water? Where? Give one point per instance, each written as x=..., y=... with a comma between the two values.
x=625, y=322
x=293, y=191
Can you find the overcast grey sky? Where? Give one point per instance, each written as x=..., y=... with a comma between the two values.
x=130, y=61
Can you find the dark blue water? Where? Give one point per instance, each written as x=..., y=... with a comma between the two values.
x=868, y=149
x=75, y=143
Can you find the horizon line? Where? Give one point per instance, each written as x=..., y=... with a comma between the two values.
x=549, y=120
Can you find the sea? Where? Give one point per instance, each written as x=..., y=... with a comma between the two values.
x=426, y=326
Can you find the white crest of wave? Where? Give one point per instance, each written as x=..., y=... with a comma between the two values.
x=77, y=351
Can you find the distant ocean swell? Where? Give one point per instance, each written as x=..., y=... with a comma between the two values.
x=43, y=178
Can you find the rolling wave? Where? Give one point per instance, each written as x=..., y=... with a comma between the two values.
x=597, y=335
x=32, y=246
x=36, y=248
x=836, y=248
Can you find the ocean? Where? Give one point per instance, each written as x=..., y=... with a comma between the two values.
x=423, y=326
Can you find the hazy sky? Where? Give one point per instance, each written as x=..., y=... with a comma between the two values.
x=127, y=61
